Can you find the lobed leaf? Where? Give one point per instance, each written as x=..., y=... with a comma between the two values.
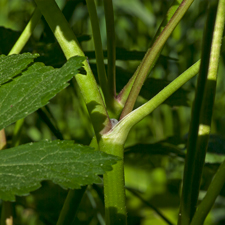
x=63, y=162
x=37, y=85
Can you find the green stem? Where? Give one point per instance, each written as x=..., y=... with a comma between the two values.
x=71, y=206
x=111, y=45
x=150, y=206
x=27, y=32
x=17, y=133
x=50, y=125
x=114, y=191
x=2, y=139
x=174, y=6
x=121, y=130
x=210, y=197
x=70, y=47
x=202, y=112
x=98, y=49
x=7, y=213
x=150, y=57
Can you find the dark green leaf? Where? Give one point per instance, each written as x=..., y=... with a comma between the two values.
x=37, y=85
x=63, y=162
x=12, y=65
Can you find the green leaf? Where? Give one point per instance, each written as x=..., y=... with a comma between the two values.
x=33, y=89
x=12, y=65
x=63, y=162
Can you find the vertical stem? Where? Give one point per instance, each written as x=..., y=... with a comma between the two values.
x=98, y=49
x=70, y=47
x=111, y=45
x=114, y=190
x=210, y=197
x=2, y=139
x=202, y=112
x=70, y=206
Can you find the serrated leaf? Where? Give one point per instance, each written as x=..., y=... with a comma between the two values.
x=12, y=65
x=37, y=85
x=63, y=162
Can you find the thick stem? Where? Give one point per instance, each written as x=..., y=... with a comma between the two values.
x=70, y=47
x=114, y=190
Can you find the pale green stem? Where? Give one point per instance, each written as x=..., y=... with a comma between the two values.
x=114, y=190
x=202, y=112
x=2, y=139
x=151, y=56
x=70, y=47
x=122, y=129
x=27, y=32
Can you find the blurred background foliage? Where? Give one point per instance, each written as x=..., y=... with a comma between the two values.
x=155, y=148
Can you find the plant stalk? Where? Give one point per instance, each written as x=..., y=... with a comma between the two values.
x=150, y=57
x=210, y=197
x=70, y=47
x=202, y=112
x=98, y=49
x=111, y=45
x=114, y=186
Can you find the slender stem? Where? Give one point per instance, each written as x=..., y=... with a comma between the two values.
x=202, y=112
x=174, y=6
x=27, y=32
x=17, y=132
x=210, y=197
x=2, y=139
x=70, y=206
x=111, y=45
x=50, y=125
x=151, y=206
x=70, y=47
x=121, y=130
x=151, y=56
x=98, y=49
x=114, y=191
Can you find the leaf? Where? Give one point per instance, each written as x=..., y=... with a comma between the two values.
x=63, y=162
x=12, y=65
x=33, y=89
